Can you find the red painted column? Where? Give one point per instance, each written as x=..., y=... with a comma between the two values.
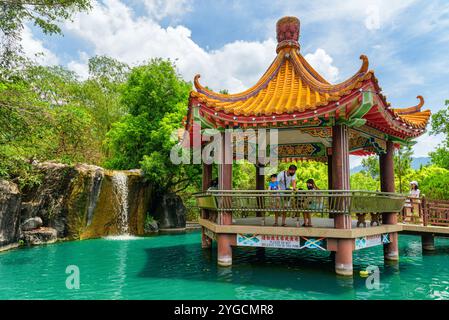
x=224, y=250
x=329, y=175
x=343, y=257
x=340, y=169
x=225, y=183
x=207, y=176
x=207, y=179
x=340, y=181
x=386, y=162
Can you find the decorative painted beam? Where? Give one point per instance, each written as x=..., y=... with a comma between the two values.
x=355, y=118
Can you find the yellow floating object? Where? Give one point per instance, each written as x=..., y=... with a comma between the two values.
x=364, y=273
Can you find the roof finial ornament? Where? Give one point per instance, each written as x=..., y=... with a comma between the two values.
x=287, y=33
x=421, y=102
x=365, y=64
x=410, y=110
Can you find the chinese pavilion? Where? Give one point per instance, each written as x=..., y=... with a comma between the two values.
x=316, y=120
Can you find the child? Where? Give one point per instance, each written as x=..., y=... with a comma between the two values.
x=274, y=185
x=313, y=204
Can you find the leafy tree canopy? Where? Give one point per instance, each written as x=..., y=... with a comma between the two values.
x=44, y=14
x=440, y=125
x=156, y=98
x=48, y=114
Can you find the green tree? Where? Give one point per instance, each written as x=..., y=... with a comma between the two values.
x=156, y=98
x=402, y=165
x=371, y=169
x=440, y=125
x=26, y=117
x=65, y=134
x=45, y=14
x=364, y=181
x=433, y=181
x=371, y=166
x=440, y=157
x=40, y=119
x=101, y=93
x=48, y=114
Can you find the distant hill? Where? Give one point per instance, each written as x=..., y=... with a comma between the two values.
x=416, y=164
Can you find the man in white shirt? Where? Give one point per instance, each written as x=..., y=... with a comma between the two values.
x=287, y=178
x=287, y=181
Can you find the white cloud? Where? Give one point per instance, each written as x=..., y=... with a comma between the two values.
x=34, y=49
x=435, y=23
x=372, y=20
x=322, y=62
x=113, y=30
x=425, y=144
x=80, y=67
x=159, y=9
x=365, y=12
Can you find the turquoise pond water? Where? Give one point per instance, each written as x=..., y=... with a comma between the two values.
x=175, y=267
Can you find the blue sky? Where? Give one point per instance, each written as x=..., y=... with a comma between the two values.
x=231, y=43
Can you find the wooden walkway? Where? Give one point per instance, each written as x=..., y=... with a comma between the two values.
x=419, y=229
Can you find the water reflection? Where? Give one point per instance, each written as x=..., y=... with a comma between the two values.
x=175, y=267
x=289, y=271
x=120, y=274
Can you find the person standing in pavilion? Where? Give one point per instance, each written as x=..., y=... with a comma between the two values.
x=313, y=204
x=287, y=181
x=414, y=201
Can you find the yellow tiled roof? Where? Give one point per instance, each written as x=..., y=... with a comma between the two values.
x=289, y=85
x=291, y=88
x=413, y=115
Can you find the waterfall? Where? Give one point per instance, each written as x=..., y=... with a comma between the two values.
x=94, y=194
x=120, y=188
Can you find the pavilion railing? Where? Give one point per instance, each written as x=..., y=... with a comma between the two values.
x=412, y=211
x=435, y=212
x=428, y=212
x=324, y=202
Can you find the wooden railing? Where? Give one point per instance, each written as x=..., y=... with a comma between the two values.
x=425, y=211
x=412, y=211
x=435, y=212
x=324, y=202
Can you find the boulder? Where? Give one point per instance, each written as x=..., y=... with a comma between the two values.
x=10, y=202
x=49, y=199
x=39, y=236
x=151, y=227
x=31, y=224
x=170, y=211
x=65, y=199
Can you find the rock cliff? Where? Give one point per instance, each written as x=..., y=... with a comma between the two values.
x=10, y=202
x=82, y=202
